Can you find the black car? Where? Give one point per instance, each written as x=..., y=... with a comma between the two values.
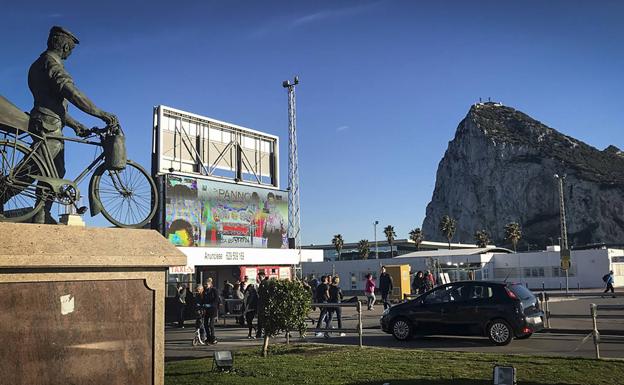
x=500, y=311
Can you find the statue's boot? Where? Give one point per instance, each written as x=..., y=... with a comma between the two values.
x=43, y=216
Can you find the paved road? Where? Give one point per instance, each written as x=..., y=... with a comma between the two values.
x=178, y=341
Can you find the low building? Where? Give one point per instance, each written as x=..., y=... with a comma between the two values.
x=536, y=269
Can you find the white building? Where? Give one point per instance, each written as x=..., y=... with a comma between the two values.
x=537, y=269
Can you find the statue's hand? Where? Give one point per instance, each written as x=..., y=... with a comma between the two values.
x=109, y=119
x=82, y=131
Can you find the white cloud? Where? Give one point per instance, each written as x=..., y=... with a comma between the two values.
x=342, y=128
x=330, y=14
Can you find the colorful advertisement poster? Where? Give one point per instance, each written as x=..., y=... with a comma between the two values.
x=210, y=213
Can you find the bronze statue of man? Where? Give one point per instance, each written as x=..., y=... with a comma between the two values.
x=52, y=87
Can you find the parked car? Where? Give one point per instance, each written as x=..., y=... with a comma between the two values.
x=500, y=311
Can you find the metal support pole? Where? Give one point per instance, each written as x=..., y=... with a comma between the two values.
x=547, y=310
x=376, y=246
x=594, y=314
x=359, y=311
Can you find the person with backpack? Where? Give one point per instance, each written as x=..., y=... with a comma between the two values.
x=608, y=279
x=335, y=296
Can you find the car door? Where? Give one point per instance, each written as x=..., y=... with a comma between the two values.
x=457, y=311
x=429, y=314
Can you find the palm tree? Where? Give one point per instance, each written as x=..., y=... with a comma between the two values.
x=417, y=236
x=338, y=243
x=364, y=248
x=447, y=227
x=482, y=238
x=390, y=234
x=513, y=233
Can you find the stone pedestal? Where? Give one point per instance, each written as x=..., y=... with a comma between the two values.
x=82, y=305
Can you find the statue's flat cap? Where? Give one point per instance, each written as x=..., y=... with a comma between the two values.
x=58, y=30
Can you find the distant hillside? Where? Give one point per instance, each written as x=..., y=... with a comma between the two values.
x=499, y=168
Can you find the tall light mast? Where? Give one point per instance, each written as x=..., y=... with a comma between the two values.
x=294, y=222
x=565, y=252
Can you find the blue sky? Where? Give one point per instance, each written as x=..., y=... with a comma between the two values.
x=383, y=83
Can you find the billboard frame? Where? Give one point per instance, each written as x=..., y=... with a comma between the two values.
x=240, y=165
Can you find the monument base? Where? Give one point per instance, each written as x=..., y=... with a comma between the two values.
x=82, y=305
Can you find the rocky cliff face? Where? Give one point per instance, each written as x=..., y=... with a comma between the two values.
x=499, y=168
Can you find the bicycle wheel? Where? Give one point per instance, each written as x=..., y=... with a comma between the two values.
x=20, y=197
x=128, y=197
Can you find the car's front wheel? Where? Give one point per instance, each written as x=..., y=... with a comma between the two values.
x=499, y=332
x=402, y=329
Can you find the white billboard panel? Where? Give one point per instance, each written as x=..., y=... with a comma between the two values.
x=197, y=145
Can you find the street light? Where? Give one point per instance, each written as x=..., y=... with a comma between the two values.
x=376, y=248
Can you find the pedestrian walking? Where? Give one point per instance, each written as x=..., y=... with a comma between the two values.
x=369, y=291
x=335, y=296
x=262, y=280
x=251, y=307
x=181, y=303
x=609, y=280
x=418, y=283
x=385, y=287
x=238, y=306
x=210, y=302
x=226, y=293
x=322, y=296
x=200, y=330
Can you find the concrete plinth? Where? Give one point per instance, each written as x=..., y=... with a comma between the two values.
x=82, y=305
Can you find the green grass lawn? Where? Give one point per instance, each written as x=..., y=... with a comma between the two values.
x=342, y=365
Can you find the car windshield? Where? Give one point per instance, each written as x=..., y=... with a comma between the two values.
x=521, y=291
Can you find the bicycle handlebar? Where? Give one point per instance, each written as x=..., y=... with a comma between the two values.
x=108, y=130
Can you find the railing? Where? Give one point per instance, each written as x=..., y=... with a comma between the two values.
x=357, y=305
x=593, y=309
x=545, y=297
x=235, y=307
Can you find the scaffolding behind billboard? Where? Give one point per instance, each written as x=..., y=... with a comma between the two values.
x=186, y=143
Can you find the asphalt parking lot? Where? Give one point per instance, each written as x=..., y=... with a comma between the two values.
x=568, y=337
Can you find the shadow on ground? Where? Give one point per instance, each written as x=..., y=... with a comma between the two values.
x=457, y=381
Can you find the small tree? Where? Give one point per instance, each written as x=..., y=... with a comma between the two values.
x=338, y=242
x=390, y=235
x=417, y=236
x=482, y=238
x=364, y=248
x=513, y=233
x=284, y=306
x=447, y=227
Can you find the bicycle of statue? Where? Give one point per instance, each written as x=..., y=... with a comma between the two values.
x=126, y=195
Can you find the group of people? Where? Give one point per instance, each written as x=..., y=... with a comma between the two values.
x=206, y=301
x=327, y=291
x=423, y=282
x=386, y=284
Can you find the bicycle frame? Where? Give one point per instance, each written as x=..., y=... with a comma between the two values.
x=54, y=181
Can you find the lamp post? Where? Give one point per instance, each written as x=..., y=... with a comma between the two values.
x=565, y=253
x=376, y=247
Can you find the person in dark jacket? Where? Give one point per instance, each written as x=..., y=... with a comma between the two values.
x=417, y=283
x=322, y=296
x=181, y=303
x=260, y=308
x=385, y=286
x=251, y=307
x=210, y=301
x=335, y=296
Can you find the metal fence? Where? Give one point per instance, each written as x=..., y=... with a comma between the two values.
x=593, y=310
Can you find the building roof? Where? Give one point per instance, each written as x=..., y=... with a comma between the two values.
x=396, y=242
x=455, y=252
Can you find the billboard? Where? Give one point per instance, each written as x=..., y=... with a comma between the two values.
x=186, y=143
x=200, y=212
